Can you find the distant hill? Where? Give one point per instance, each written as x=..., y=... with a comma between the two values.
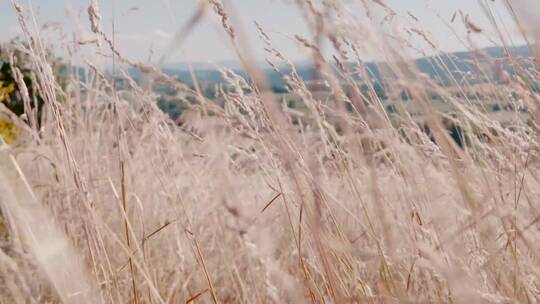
x=458, y=64
x=461, y=63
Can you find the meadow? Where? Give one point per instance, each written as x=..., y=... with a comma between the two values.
x=106, y=199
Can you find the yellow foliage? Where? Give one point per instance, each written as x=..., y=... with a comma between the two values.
x=5, y=90
x=8, y=131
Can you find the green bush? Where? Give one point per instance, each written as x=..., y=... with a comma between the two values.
x=11, y=94
x=13, y=61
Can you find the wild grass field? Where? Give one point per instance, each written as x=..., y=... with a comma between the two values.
x=106, y=199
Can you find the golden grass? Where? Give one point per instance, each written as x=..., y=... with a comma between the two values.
x=240, y=205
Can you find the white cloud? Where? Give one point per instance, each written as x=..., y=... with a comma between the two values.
x=161, y=34
x=153, y=35
x=130, y=36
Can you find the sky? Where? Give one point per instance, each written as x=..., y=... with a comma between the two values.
x=144, y=29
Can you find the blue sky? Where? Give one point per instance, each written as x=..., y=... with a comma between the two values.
x=145, y=24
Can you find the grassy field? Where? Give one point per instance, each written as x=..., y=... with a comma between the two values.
x=108, y=200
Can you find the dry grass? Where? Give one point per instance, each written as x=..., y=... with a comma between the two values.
x=247, y=207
